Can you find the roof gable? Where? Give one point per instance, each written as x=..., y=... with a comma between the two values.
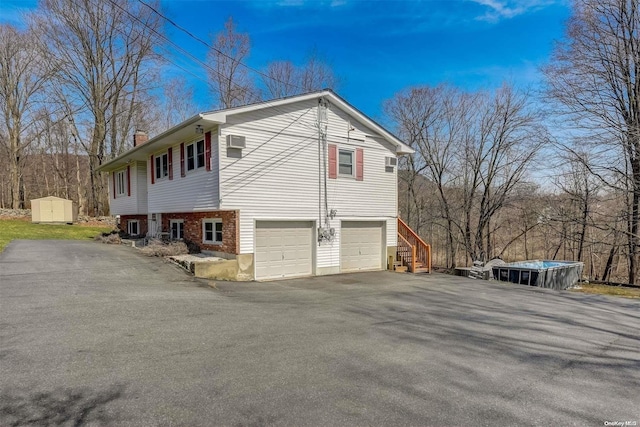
x=221, y=116
x=209, y=119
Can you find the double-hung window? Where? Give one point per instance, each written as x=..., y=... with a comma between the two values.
x=162, y=166
x=121, y=183
x=346, y=162
x=195, y=155
x=177, y=229
x=212, y=231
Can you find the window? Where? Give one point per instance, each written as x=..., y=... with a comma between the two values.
x=345, y=162
x=195, y=155
x=133, y=227
x=177, y=229
x=212, y=231
x=162, y=166
x=121, y=183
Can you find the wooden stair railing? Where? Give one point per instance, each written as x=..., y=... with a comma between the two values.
x=406, y=253
x=412, y=250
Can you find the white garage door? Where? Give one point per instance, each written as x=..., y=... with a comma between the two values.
x=360, y=246
x=283, y=249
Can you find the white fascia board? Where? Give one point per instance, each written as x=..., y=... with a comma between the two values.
x=221, y=116
x=401, y=148
x=159, y=142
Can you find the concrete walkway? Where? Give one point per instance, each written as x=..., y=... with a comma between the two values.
x=95, y=334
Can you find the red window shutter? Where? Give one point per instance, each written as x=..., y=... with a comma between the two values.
x=170, y=158
x=207, y=150
x=113, y=174
x=333, y=161
x=182, y=171
x=128, y=180
x=153, y=175
x=359, y=164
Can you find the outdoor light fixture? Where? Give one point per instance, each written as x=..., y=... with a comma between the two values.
x=199, y=129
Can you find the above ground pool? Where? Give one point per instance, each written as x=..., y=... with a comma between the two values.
x=545, y=274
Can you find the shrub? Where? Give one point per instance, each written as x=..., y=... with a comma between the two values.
x=111, y=238
x=158, y=248
x=192, y=246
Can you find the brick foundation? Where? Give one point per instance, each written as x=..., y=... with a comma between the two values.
x=193, y=228
x=142, y=226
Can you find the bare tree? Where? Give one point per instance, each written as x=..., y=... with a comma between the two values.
x=177, y=103
x=595, y=79
x=21, y=80
x=317, y=74
x=475, y=148
x=283, y=78
x=582, y=188
x=505, y=140
x=229, y=76
x=434, y=121
x=103, y=59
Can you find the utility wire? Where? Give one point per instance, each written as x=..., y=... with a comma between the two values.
x=187, y=32
x=190, y=55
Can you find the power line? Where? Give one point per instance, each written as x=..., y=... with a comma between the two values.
x=187, y=32
x=190, y=55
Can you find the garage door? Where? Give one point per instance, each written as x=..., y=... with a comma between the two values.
x=283, y=249
x=360, y=246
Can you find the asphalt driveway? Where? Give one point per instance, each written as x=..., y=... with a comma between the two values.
x=95, y=334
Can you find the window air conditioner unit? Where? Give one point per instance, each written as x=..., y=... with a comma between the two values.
x=236, y=141
x=391, y=162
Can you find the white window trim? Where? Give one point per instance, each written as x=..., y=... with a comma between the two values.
x=133, y=221
x=353, y=163
x=204, y=235
x=155, y=165
x=176, y=221
x=121, y=183
x=197, y=166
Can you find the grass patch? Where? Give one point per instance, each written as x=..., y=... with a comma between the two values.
x=11, y=229
x=620, y=291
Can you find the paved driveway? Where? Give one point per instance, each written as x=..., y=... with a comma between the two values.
x=100, y=335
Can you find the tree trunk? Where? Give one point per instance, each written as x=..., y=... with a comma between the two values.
x=633, y=226
x=14, y=178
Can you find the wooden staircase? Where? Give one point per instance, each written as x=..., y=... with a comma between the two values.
x=413, y=254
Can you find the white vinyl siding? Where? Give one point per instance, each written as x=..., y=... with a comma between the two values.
x=139, y=186
x=135, y=204
x=195, y=192
x=277, y=174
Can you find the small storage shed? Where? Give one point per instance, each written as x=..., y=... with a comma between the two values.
x=53, y=209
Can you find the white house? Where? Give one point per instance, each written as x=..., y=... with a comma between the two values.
x=299, y=186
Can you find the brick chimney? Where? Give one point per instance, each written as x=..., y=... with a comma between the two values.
x=139, y=138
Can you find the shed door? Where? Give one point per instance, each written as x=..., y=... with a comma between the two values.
x=360, y=245
x=283, y=249
x=46, y=210
x=57, y=211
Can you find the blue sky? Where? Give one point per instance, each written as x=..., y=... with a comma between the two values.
x=377, y=48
